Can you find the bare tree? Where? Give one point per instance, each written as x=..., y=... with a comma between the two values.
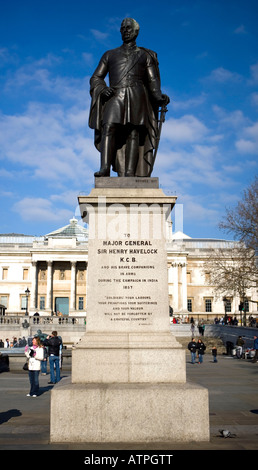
x=232, y=271
x=242, y=221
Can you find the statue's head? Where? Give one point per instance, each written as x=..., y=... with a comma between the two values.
x=129, y=30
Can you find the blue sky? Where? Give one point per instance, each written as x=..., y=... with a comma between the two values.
x=208, y=58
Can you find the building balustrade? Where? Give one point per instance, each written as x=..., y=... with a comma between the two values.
x=34, y=320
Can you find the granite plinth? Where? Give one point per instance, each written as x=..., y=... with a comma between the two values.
x=128, y=379
x=129, y=413
x=128, y=358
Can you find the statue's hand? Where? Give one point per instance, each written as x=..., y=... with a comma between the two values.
x=107, y=93
x=165, y=100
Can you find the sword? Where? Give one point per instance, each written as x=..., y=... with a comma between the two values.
x=161, y=120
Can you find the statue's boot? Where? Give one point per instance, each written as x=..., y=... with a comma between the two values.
x=103, y=172
x=132, y=153
x=107, y=150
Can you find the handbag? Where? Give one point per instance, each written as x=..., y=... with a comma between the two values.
x=25, y=366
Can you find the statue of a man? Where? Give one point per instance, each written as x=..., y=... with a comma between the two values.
x=124, y=114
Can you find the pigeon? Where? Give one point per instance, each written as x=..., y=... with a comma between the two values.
x=226, y=433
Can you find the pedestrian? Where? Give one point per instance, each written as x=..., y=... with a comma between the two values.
x=255, y=358
x=7, y=343
x=192, y=346
x=192, y=328
x=53, y=343
x=239, y=347
x=200, y=348
x=214, y=353
x=44, y=362
x=35, y=356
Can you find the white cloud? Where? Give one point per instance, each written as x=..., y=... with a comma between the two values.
x=240, y=30
x=68, y=197
x=38, y=76
x=7, y=57
x=231, y=119
x=182, y=105
x=88, y=58
x=99, y=35
x=50, y=140
x=254, y=74
x=40, y=210
x=196, y=208
x=246, y=146
x=254, y=99
x=6, y=174
x=222, y=75
x=249, y=141
x=233, y=168
x=186, y=129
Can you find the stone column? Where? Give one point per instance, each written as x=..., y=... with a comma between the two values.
x=49, y=285
x=175, y=290
x=184, y=288
x=73, y=285
x=33, y=296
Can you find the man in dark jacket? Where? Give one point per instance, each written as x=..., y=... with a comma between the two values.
x=53, y=342
x=201, y=348
x=192, y=346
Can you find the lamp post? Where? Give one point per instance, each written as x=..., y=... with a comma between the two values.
x=225, y=300
x=244, y=308
x=27, y=292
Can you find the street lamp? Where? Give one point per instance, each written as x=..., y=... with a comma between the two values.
x=27, y=292
x=244, y=308
x=225, y=300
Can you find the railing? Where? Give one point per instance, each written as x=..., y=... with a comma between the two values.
x=18, y=320
x=57, y=320
x=10, y=320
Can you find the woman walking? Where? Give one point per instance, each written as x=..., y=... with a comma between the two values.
x=35, y=354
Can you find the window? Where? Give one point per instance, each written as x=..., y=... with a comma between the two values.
x=5, y=274
x=42, y=303
x=23, y=302
x=81, y=302
x=208, y=305
x=189, y=305
x=4, y=300
x=228, y=306
x=25, y=274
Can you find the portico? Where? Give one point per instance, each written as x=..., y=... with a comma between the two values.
x=55, y=278
x=58, y=272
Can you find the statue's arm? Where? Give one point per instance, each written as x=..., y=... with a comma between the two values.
x=97, y=81
x=153, y=78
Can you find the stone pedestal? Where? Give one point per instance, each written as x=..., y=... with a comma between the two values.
x=128, y=379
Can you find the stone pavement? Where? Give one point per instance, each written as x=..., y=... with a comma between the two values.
x=233, y=397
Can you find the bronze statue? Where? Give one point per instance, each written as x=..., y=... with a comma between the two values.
x=124, y=114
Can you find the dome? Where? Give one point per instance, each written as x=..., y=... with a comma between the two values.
x=73, y=229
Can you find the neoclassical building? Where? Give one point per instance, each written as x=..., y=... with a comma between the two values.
x=49, y=274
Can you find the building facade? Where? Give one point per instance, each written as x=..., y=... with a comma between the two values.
x=48, y=275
